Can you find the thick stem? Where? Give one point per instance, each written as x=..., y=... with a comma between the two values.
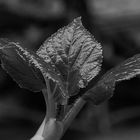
x=41, y=128
x=72, y=113
x=53, y=130
x=37, y=137
x=39, y=133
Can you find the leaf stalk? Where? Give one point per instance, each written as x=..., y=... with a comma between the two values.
x=69, y=117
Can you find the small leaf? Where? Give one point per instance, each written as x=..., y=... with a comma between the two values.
x=75, y=54
x=24, y=66
x=104, y=88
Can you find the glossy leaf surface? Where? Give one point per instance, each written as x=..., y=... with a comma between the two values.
x=75, y=54
x=104, y=88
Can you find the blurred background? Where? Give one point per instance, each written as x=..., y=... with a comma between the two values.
x=115, y=24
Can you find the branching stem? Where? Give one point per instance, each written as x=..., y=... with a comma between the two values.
x=50, y=103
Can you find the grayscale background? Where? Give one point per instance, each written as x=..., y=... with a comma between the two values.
x=115, y=24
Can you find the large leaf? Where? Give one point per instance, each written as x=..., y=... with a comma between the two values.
x=25, y=67
x=105, y=87
x=75, y=54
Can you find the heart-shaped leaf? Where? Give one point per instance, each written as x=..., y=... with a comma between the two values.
x=104, y=88
x=25, y=66
x=75, y=54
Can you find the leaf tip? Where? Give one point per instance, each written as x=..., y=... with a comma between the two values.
x=78, y=20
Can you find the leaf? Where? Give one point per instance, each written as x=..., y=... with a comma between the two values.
x=24, y=66
x=103, y=90
x=75, y=54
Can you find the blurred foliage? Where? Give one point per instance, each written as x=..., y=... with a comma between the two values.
x=30, y=22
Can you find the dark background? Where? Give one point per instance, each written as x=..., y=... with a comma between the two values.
x=115, y=24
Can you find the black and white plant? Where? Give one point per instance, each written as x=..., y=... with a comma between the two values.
x=66, y=62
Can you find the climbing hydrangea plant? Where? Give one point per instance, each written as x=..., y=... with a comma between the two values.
x=66, y=62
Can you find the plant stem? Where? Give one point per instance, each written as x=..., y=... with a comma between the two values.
x=54, y=89
x=39, y=133
x=52, y=130
x=41, y=128
x=50, y=103
x=69, y=117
